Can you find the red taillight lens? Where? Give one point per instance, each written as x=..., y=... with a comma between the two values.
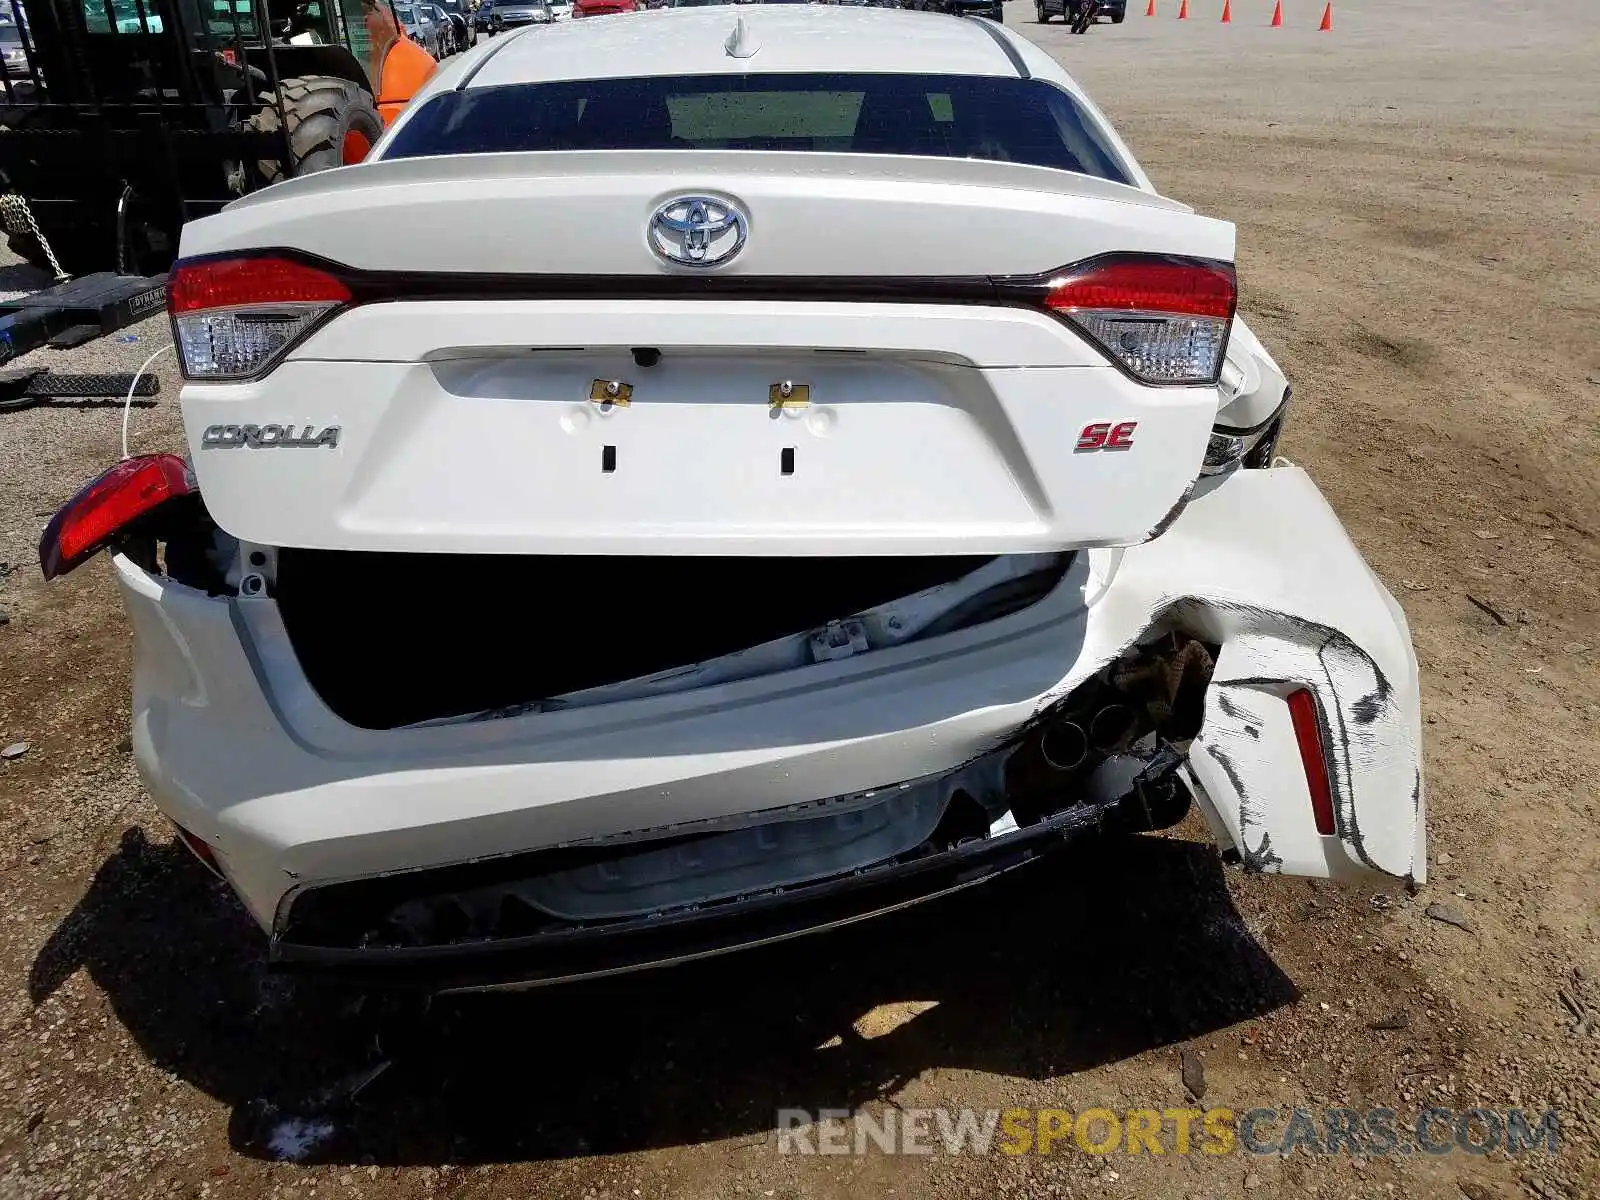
x=200, y=850
x=232, y=318
x=106, y=506
x=1308, y=733
x=1139, y=283
x=234, y=282
x=1165, y=319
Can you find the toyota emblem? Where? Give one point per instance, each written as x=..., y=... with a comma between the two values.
x=697, y=231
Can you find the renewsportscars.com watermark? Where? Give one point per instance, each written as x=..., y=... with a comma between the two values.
x=1209, y=1131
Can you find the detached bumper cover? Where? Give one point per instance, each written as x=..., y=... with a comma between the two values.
x=237, y=749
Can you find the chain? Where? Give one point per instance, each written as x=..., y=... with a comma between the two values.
x=18, y=218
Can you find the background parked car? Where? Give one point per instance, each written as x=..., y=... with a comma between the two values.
x=1105, y=10
x=561, y=10
x=12, y=56
x=449, y=43
x=963, y=8
x=514, y=14
x=420, y=27
x=602, y=8
x=463, y=33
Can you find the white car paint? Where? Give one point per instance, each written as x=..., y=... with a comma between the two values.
x=466, y=427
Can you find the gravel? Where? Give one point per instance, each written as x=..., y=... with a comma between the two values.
x=1449, y=914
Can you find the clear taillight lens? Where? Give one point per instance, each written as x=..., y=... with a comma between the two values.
x=1165, y=319
x=233, y=318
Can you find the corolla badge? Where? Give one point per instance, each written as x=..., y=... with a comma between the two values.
x=259, y=437
x=698, y=231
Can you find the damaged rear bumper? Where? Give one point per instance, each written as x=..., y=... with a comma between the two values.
x=307, y=815
x=571, y=953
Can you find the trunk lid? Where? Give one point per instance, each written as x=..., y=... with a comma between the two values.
x=584, y=213
x=850, y=383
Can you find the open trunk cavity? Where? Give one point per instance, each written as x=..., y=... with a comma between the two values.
x=389, y=640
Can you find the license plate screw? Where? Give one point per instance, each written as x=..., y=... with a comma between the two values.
x=611, y=391
x=789, y=394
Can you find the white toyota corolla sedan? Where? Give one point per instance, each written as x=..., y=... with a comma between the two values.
x=718, y=473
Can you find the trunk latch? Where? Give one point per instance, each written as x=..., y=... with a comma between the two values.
x=839, y=639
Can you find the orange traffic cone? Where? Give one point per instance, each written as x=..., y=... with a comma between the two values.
x=1150, y=9
x=1227, y=11
x=1327, y=18
x=1277, y=14
x=1183, y=11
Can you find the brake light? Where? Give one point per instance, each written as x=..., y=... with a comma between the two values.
x=106, y=506
x=232, y=318
x=1164, y=319
x=1308, y=733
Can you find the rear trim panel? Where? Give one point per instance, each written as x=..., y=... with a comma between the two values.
x=492, y=449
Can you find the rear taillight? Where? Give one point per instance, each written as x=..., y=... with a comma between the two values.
x=107, y=505
x=1164, y=319
x=232, y=318
x=1308, y=734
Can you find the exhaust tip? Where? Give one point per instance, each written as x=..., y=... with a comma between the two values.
x=1113, y=728
x=1063, y=746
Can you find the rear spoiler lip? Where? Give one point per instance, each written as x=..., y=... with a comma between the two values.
x=503, y=165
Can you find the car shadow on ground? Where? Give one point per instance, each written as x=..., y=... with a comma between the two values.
x=1101, y=952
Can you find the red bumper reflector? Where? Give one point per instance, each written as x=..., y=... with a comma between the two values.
x=199, y=849
x=106, y=505
x=1308, y=733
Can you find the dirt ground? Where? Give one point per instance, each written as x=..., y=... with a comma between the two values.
x=1417, y=201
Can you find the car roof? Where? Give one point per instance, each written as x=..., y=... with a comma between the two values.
x=791, y=38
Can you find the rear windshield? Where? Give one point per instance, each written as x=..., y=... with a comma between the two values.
x=939, y=116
